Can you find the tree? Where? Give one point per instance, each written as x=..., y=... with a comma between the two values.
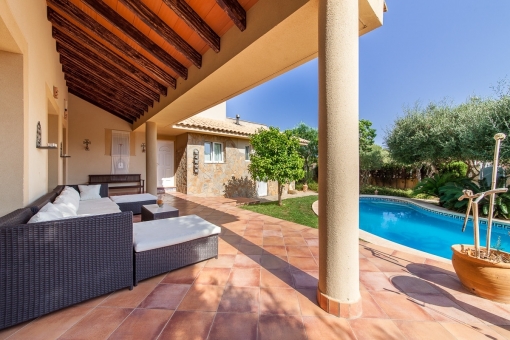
x=372, y=160
x=276, y=158
x=310, y=152
x=442, y=132
x=366, y=135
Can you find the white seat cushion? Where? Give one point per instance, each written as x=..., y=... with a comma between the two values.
x=133, y=198
x=166, y=232
x=98, y=206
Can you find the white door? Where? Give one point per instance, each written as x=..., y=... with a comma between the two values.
x=165, y=164
x=262, y=189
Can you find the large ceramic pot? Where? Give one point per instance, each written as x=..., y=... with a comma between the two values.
x=486, y=279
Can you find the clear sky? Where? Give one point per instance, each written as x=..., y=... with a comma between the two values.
x=425, y=51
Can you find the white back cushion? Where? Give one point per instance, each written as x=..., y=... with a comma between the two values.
x=65, y=209
x=69, y=197
x=89, y=192
x=43, y=216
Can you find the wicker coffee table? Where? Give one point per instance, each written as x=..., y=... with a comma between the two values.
x=154, y=212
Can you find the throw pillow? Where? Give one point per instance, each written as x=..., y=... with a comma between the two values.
x=49, y=207
x=65, y=209
x=69, y=199
x=43, y=216
x=89, y=192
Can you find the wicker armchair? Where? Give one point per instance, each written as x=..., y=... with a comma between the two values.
x=51, y=265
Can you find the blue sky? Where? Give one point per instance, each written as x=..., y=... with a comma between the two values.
x=426, y=51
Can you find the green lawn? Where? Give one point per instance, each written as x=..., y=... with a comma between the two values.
x=298, y=210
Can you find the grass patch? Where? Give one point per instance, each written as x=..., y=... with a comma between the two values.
x=298, y=210
x=409, y=193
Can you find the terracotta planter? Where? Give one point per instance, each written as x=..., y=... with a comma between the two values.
x=483, y=278
x=305, y=187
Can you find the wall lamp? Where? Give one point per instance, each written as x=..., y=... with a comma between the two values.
x=87, y=142
x=143, y=147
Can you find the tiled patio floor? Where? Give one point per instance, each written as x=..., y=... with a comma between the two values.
x=263, y=285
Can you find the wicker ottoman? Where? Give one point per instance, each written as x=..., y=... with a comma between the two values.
x=134, y=202
x=168, y=244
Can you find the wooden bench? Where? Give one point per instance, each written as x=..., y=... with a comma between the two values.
x=120, y=181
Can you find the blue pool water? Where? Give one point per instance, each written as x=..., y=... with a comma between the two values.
x=420, y=229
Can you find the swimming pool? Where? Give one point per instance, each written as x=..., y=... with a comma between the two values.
x=420, y=228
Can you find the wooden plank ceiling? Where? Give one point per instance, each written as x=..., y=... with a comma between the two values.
x=122, y=55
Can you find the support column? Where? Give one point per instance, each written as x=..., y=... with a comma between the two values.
x=151, y=160
x=338, y=291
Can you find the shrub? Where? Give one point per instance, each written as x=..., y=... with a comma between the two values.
x=431, y=186
x=458, y=169
x=370, y=189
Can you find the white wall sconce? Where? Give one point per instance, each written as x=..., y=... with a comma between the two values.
x=87, y=142
x=143, y=147
x=65, y=109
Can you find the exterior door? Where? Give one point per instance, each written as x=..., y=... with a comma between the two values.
x=262, y=189
x=166, y=164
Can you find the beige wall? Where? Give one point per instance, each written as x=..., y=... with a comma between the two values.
x=25, y=30
x=87, y=121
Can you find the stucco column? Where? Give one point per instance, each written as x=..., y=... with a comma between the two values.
x=338, y=291
x=151, y=157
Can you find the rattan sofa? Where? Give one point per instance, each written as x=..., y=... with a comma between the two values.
x=51, y=265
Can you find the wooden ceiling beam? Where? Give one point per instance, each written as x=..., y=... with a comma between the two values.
x=88, y=60
x=235, y=11
x=195, y=22
x=100, y=97
x=104, y=106
x=86, y=78
x=94, y=76
x=141, y=39
x=150, y=90
x=144, y=13
x=84, y=19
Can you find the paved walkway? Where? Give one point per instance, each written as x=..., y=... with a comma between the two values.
x=263, y=286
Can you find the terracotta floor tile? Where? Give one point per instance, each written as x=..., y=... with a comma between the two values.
x=252, y=240
x=275, y=278
x=234, y=326
x=303, y=263
x=375, y=329
x=275, y=250
x=478, y=332
x=223, y=261
x=202, y=298
x=446, y=283
x=370, y=308
x=412, y=284
x=244, y=277
x=298, y=251
x=399, y=306
x=213, y=276
x=269, y=226
x=487, y=311
x=98, y=324
x=240, y=300
x=232, y=239
x=273, y=262
x=400, y=255
x=375, y=281
x=279, y=301
x=268, y=233
x=314, y=251
x=442, y=265
x=247, y=261
x=252, y=233
x=305, y=279
x=321, y=328
x=250, y=249
x=281, y=327
x=424, y=330
x=53, y=325
x=389, y=264
x=366, y=266
x=290, y=233
x=226, y=248
x=312, y=242
x=503, y=330
x=308, y=302
x=273, y=241
x=93, y=302
x=7, y=332
x=142, y=324
x=186, y=275
x=188, y=325
x=165, y=296
x=294, y=241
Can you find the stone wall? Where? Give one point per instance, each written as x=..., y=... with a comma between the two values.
x=213, y=178
x=180, y=153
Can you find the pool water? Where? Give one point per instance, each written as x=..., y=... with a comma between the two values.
x=420, y=229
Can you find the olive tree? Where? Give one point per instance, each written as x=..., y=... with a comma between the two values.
x=276, y=158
